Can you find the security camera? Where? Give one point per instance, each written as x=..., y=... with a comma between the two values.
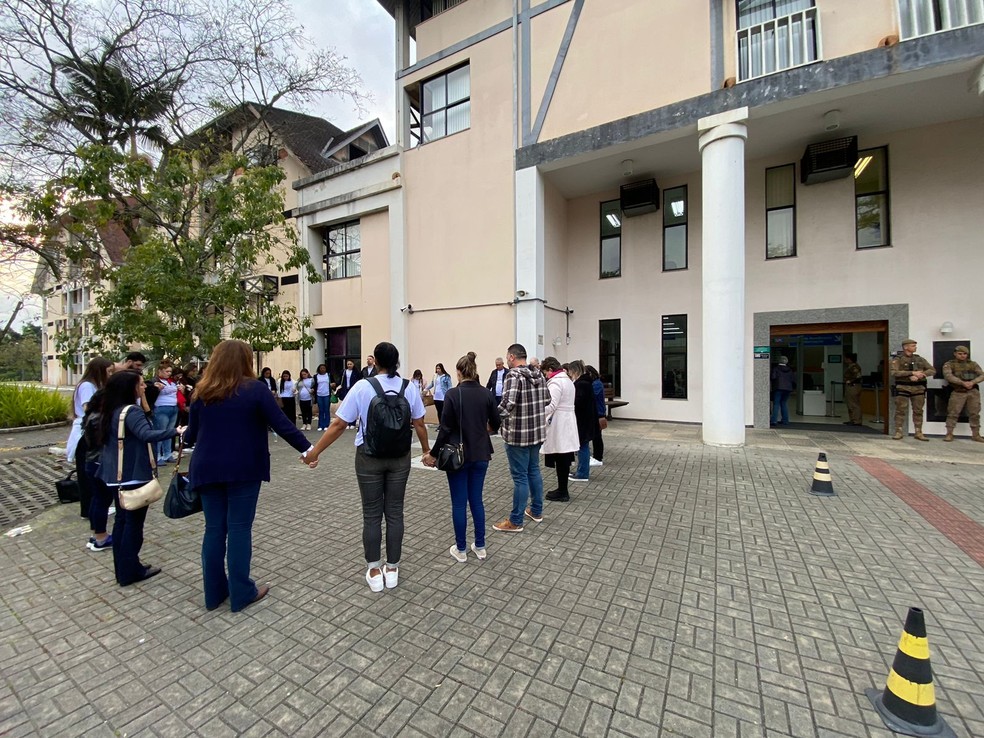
x=521, y=293
x=407, y=309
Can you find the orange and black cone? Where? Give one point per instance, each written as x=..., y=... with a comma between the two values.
x=821, y=478
x=908, y=704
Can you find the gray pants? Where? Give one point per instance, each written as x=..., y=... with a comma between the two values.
x=383, y=484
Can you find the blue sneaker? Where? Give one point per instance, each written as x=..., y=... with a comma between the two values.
x=107, y=545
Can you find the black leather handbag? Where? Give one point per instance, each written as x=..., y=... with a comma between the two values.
x=68, y=489
x=451, y=457
x=181, y=499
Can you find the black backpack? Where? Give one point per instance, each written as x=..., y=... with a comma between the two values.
x=387, y=434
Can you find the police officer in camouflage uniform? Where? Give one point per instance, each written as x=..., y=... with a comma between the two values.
x=963, y=375
x=910, y=372
x=852, y=389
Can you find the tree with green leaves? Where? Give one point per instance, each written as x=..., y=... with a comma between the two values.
x=107, y=136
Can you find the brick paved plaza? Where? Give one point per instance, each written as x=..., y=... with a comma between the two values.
x=685, y=591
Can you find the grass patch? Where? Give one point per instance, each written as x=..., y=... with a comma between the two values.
x=24, y=406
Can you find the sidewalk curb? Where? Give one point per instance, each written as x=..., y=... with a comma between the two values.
x=28, y=428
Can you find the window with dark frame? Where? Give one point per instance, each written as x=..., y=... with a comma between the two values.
x=342, y=344
x=674, y=351
x=343, y=250
x=675, y=228
x=780, y=211
x=610, y=256
x=871, y=200
x=445, y=104
x=610, y=354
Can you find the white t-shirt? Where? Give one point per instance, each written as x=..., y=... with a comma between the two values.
x=500, y=374
x=304, y=389
x=83, y=394
x=356, y=402
x=324, y=384
x=288, y=390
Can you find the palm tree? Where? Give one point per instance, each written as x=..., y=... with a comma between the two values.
x=106, y=104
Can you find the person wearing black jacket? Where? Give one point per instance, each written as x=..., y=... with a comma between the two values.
x=587, y=418
x=470, y=412
x=496, y=378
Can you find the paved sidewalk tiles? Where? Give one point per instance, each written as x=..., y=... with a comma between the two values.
x=684, y=591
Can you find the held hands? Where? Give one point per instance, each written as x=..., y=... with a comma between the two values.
x=310, y=459
x=180, y=430
x=428, y=460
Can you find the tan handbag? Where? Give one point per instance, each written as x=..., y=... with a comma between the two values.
x=144, y=495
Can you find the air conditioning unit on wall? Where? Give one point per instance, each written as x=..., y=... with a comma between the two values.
x=639, y=198
x=828, y=160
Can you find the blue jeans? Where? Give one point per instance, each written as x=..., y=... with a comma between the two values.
x=229, y=511
x=780, y=400
x=583, y=461
x=324, y=411
x=165, y=417
x=524, y=466
x=466, y=490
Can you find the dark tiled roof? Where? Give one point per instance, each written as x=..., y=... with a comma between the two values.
x=305, y=135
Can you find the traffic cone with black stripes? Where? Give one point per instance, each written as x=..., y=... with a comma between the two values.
x=908, y=703
x=821, y=478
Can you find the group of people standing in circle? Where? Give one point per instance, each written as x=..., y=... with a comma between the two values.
x=231, y=411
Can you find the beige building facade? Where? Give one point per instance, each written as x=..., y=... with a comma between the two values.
x=676, y=192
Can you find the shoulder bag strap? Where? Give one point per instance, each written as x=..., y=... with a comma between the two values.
x=120, y=431
x=376, y=386
x=461, y=429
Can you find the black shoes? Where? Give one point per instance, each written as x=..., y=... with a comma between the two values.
x=557, y=496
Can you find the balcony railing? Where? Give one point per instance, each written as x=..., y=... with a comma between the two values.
x=780, y=43
x=922, y=17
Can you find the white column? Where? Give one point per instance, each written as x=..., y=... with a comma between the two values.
x=722, y=148
x=529, y=214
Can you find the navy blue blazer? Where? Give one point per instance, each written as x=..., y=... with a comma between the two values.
x=138, y=432
x=231, y=439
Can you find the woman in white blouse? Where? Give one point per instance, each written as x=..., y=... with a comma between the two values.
x=303, y=389
x=286, y=393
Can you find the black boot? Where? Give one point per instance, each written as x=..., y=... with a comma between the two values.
x=560, y=494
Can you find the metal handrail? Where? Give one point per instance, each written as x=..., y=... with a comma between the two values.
x=778, y=44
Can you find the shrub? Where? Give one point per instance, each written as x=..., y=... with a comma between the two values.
x=22, y=406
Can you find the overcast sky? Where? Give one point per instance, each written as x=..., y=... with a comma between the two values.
x=359, y=30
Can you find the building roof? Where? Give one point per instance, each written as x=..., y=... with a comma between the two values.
x=305, y=135
x=335, y=145
x=311, y=139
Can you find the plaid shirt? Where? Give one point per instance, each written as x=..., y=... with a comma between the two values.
x=523, y=407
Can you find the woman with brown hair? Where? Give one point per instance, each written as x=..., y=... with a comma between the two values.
x=94, y=378
x=470, y=412
x=561, y=444
x=229, y=418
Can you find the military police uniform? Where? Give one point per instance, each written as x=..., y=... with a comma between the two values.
x=910, y=391
x=852, y=392
x=957, y=372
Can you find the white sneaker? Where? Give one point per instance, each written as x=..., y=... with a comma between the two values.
x=595, y=462
x=460, y=556
x=112, y=510
x=174, y=456
x=391, y=576
x=375, y=582
x=572, y=478
x=479, y=552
